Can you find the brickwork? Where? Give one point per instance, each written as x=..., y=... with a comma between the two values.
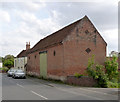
x=83, y=81
x=75, y=45
x=72, y=54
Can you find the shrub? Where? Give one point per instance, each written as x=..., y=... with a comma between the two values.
x=97, y=72
x=5, y=69
x=112, y=85
x=78, y=75
x=112, y=68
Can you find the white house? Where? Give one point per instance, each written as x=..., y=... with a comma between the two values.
x=1, y=64
x=114, y=53
x=20, y=61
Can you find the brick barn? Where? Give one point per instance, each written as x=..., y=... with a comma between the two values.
x=66, y=51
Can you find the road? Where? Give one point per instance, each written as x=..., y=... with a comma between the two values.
x=37, y=89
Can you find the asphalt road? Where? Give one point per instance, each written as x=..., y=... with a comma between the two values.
x=37, y=89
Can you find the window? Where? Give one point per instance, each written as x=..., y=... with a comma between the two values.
x=86, y=31
x=95, y=30
x=35, y=56
x=29, y=57
x=77, y=32
x=88, y=50
x=54, y=53
x=15, y=63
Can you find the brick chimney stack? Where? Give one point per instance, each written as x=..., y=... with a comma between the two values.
x=27, y=45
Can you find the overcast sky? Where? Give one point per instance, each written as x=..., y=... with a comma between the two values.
x=21, y=22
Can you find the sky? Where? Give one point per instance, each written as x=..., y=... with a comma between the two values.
x=22, y=22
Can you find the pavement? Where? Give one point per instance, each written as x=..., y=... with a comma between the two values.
x=38, y=89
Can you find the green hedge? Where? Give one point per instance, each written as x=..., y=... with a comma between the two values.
x=78, y=75
x=4, y=69
x=113, y=85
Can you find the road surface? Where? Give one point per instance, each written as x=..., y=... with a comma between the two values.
x=37, y=89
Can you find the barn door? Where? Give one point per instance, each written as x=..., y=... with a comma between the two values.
x=43, y=64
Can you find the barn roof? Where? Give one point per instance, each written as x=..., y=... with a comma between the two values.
x=56, y=37
x=23, y=53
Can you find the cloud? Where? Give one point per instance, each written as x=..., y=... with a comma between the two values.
x=111, y=37
x=4, y=17
x=23, y=6
x=29, y=28
x=32, y=6
x=32, y=21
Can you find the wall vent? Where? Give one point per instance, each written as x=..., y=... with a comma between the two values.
x=88, y=50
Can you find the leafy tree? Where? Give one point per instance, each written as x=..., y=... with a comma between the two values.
x=112, y=68
x=106, y=76
x=8, y=61
x=9, y=57
x=97, y=72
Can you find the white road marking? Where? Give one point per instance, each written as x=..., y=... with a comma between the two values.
x=39, y=95
x=78, y=94
x=95, y=91
x=20, y=85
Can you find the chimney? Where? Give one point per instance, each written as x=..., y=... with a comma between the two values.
x=27, y=45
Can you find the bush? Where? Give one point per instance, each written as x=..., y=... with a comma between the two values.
x=5, y=69
x=8, y=61
x=112, y=68
x=112, y=85
x=97, y=72
x=78, y=75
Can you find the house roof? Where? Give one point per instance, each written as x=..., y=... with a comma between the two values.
x=23, y=53
x=57, y=37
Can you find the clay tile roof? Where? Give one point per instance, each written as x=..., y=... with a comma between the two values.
x=54, y=38
x=23, y=53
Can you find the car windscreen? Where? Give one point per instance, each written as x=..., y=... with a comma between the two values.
x=19, y=71
x=11, y=70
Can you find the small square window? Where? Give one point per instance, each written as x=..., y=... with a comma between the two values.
x=95, y=30
x=88, y=50
x=86, y=31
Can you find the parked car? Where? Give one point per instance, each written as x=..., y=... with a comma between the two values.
x=11, y=72
x=19, y=74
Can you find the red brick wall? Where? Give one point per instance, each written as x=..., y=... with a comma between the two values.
x=71, y=57
x=33, y=66
x=82, y=81
x=75, y=56
x=55, y=63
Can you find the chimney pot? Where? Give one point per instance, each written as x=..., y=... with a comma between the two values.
x=27, y=45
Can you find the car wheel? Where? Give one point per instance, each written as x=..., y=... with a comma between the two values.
x=14, y=77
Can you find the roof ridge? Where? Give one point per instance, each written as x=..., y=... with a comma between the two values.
x=58, y=36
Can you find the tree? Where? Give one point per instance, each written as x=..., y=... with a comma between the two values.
x=97, y=72
x=8, y=61
x=112, y=68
